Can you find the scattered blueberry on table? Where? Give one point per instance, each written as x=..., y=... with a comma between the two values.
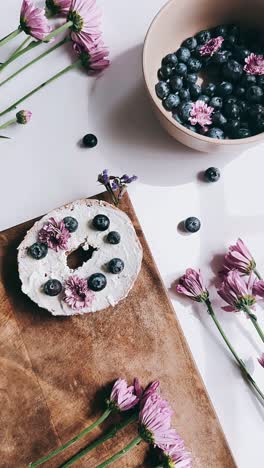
x=192, y=224
x=212, y=174
x=90, y=140
x=221, y=69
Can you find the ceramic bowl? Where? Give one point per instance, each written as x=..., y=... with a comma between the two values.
x=176, y=21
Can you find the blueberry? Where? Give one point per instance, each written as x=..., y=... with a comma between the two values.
x=239, y=91
x=97, y=282
x=38, y=250
x=220, y=57
x=209, y=89
x=248, y=80
x=224, y=88
x=243, y=108
x=52, y=287
x=212, y=174
x=195, y=91
x=192, y=224
x=242, y=133
x=161, y=76
x=203, y=36
x=219, y=119
x=113, y=237
x=165, y=72
x=244, y=124
x=254, y=94
x=101, y=222
x=183, y=54
x=215, y=132
x=177, y=118
x=184, y=110
x=90, y=140
x=255, y=110
x=216, y=102
x=162, y=89
x=230, y=41
x=232, y=127
x=116, y=265
x=190, y=43
x=221, y=30
x=171, y=102
x=260, y=80
x=258, y=123
x=231, y=100
x=184, y=94
x=170, y=59
x=204, y=98
x=191, y=78
x=232, y=70
x=194, y=65
x=176, y=84
x=181, y=69
x=240, y=53
x=190, y=127
x=231, y=110
x=70, y=223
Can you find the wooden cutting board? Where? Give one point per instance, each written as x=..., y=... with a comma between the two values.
x=55, y=372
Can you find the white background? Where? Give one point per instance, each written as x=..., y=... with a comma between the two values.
x=43, y=166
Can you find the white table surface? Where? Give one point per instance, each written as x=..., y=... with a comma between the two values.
x=43, y=166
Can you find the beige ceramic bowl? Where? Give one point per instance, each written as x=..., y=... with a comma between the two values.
x=176, y=21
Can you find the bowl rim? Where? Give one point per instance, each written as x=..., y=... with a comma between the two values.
x=166, y=114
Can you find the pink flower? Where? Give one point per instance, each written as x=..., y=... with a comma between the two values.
x=54, y=234
x=33, y=20
x=93, y=59
x=77, y=294
x=23, y=117
x=86, y=18
x=258, y=288
x=254, y=64
x=58, y=7
x=201, y=114
x=261, y=360
x=176, y=456
x=192, y=285
x=149, y=390
x=239, y=258
x=122, y=397
x=237, y=291
x=212, y=46
x=155, y=422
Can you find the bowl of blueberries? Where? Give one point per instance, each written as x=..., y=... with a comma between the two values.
x=203, y=67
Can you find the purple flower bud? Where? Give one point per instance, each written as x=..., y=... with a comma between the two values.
x=23, y=117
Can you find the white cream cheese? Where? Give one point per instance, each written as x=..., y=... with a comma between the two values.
x=35, y=273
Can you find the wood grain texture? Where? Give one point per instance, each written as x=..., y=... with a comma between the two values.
x=55, y=372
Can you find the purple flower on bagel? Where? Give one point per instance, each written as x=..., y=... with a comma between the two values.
x=54, y=234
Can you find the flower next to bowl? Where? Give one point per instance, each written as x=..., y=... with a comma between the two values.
x=214, y=83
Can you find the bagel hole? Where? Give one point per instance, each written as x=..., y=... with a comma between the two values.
x=79, y=256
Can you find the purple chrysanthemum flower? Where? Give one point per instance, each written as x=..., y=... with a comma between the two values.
x=58, y=7
x=192, y=285
x=95, y=58
x=33, y=20
x=54, y=234
x=77, y=294
x=149, y=390
x=176, y=456
x=201, y=114
x=254, y=64
x=238, y=292
x=86, y=19
x=239, y=258
x=123, y=397
x=212, y=46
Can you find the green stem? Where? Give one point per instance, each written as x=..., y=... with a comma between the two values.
x=110, y=190
x=47, y=52
x=21, y=46
x=121, y=453
x=10, y=36
x=254, y=321
x=72, y=441
x=35, y=90
x=57, y=31
x=109, y=435
x=258, y=275
x=227, y=342
x=9, y=122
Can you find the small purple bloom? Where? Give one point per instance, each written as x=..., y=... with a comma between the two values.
x=103, y=178
x=254, y=64
x=23, y=117
x=238, y=292
x=54, y=234
x=77, y=294
x=122, y=397
x=212, y=46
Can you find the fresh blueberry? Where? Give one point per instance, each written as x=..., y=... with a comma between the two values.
x=160, y=75
x=113, y=237
x=242, y=133
x=177, y=118
x=192, y=224
x=184, y=110
x=183, y=54
x=90, y=140
x=215, y=132
x=248, y=80
x=194, y=65
x=53, y=287
x=230, y=41
x=181, y=69
x=184, y=94
x=239, y=91
x=260, y=80
x=220, y=57
x=232, y=70
x=101, y=222
x=254, y=94
x=176, y=84
x=195, y=91
x=171, y=102
x=231, y=100
x=231, y=110
x=219, y=119
x=38, y=250
x=240, y=53
x=162, y=89
x=258, y=124
x=204, y=98
x=232, y=127
x=243, y=108
x=224, y=89
x=216, y=102
x=209, y=89
x=116, y=265
x=165, y=72
x=170, y=59
x=190, y=127
x=221, y=30
x=191, y=78
x=70, y=223
x=203, y=36
x=97, y=282
x=255, y=110
x=190, y=43
x=212, y=174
